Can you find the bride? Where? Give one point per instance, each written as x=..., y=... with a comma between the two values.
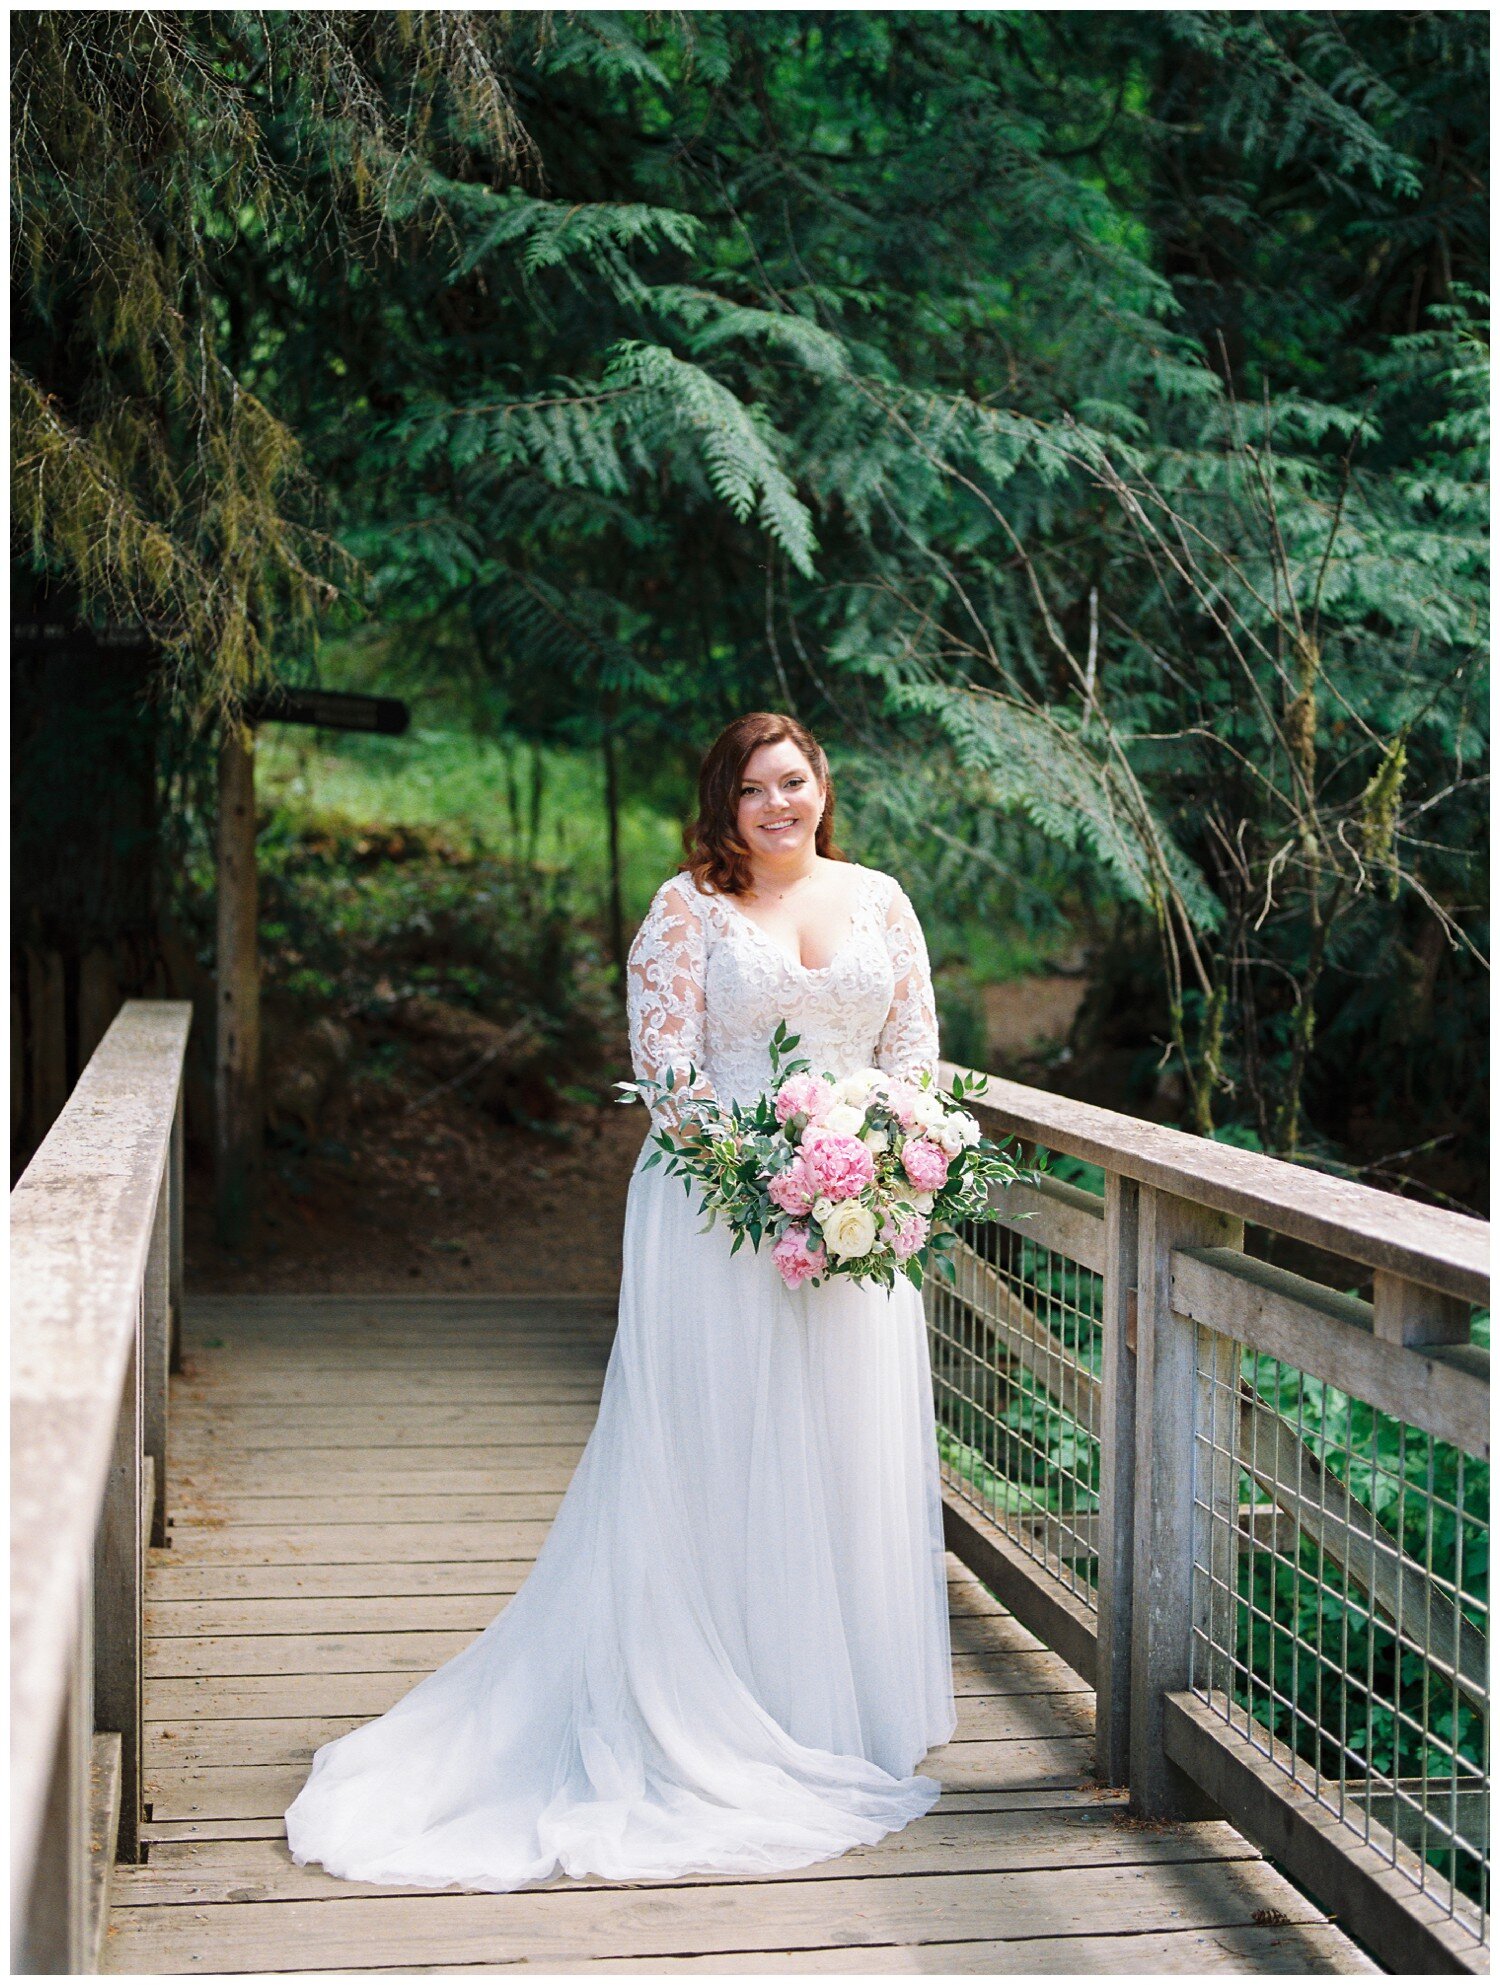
x=732, y=1650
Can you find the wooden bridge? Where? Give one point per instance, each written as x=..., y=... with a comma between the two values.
x=353, y=1486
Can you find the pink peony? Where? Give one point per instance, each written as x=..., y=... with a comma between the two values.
x=795, y=1259
x=839, y=1166
x=793, y=1190
x=925, y=1163
x=909, y=1236
x=901, y=1097
x=802, y=1096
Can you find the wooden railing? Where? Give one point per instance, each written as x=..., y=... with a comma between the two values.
x=1248, y=1505
x=96, y=1276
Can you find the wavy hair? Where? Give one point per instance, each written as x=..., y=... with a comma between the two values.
x=716, y=856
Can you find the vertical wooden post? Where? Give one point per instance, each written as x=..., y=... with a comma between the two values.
x=156, y=1347
x=117, y=1602
x=1408, y=1314
x=176, y=1208
x=49, y=1922
x=1117, y=1478
x=1169, y=1411
x=612, y=810
x=237, y=1107
x=49, y=1040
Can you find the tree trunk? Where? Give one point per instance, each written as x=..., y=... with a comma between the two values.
x=612, y=808
x=237, y=1105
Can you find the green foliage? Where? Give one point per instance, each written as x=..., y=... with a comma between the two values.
x=1079, y=417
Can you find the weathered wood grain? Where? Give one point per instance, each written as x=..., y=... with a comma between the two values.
x=192, y=1872
x=1428, y=1244
x=179, y=1743
x=1299, y=1949
x=350, y=1543
x=328, y=1693
x=299, y=1597
x=81, y=1222
x=561, y=1925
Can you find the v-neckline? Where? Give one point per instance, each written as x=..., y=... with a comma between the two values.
x=781, y=951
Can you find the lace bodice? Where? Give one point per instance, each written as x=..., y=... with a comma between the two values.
x=706, y=986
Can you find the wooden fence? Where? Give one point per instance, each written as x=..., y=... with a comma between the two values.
x=1248, y=1505
x=96, y=1276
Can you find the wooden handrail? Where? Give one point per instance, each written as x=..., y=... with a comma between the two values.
x=93, y=1264
x=1427, y=1244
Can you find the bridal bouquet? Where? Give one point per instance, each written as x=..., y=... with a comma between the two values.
x=859, y=1175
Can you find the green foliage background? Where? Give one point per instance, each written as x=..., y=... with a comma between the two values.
x=1079, y=417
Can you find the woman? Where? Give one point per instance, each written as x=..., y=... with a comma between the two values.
x=732, y=1650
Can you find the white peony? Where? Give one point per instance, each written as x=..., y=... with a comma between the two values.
x=855, y=1089
x=968, y=1128
x=849, y=1230
x=876, y=1141
x=929, y=1113
x=948, y=1137
x=921, y=1200
x=844, y=1119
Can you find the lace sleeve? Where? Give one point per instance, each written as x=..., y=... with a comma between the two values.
x=909, y=1039
x=664, y=980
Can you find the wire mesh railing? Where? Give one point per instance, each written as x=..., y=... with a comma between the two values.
x=1017, y=1351
x=1340, y=1611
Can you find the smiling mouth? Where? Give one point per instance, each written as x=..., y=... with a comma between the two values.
x=776, y=826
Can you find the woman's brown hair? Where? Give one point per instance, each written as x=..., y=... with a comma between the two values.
x=716, y=856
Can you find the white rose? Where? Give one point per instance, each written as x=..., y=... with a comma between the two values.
x=922, y=1200
x=822, y=1209
x=968, y=1128
x=849, y=1230
x=853, y=1089
x=929, y=1113
x=948, y=1137
x=876, y=1141
x=845, y=1119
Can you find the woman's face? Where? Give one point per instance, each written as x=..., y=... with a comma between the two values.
x=780, y=802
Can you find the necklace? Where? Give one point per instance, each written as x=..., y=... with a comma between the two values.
x=779, y=895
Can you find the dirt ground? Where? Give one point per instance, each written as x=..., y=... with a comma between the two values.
x=398, y=1192
x=442, y=1199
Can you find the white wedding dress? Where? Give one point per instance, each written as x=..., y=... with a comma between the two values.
x=732, y=1650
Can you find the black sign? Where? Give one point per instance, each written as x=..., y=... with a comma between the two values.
x=328, y=709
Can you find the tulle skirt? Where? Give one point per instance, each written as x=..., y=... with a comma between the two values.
x=732, y=1650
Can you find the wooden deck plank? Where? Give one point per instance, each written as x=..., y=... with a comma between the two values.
x=362, y=1652
x=1301, y=1949
x=195, y=1872
x=649, y=1921
x=170, y=1580
x=261, y=1791
x=1019, y=1799
x=348, y=1471
x=173, y=1699
x=179, y=1742
x=360, y=1612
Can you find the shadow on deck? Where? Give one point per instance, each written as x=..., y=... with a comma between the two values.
x=358, y=1484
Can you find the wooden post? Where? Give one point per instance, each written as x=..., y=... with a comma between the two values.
x=49, y=1922
x=49, y=1040
x=1408, y=1314
x=156, y=1346
x=237, y=1105
x=1170, y=1409
x=1117, y=1478
x=117, y=1604
x=176, y=1210
x=612, y=810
